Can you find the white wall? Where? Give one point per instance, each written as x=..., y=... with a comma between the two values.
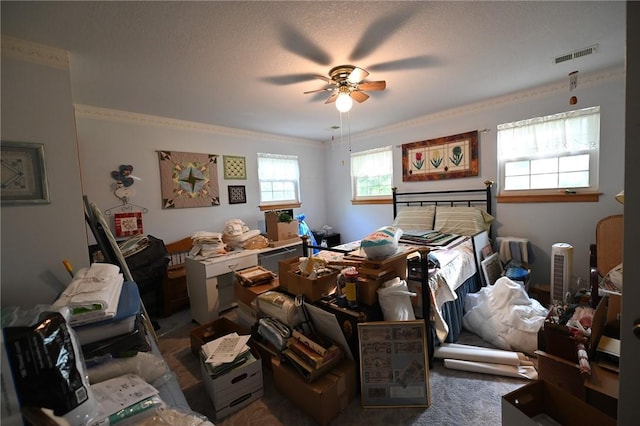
x=36, y=107
x=542, y=223
x=110, y=138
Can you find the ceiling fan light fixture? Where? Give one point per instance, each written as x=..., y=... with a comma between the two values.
x=344, y=102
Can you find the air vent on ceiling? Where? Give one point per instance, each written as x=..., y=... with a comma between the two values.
x=576, y=54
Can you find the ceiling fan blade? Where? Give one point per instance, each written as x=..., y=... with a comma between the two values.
x=324, y=78
x=332, y=98
x=379, y=32
x=413, y=63
x=359, y=96
x=298, y=43
x=326, y=89
x=282, y=80
x=372, y=85
x=357, y=75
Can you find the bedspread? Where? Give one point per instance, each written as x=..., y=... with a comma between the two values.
x=456, y=266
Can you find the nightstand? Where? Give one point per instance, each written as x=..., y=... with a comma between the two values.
x=333, y=239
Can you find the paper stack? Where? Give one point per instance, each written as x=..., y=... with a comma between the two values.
x=127, y=399
x=207, y=244
x=225, y=353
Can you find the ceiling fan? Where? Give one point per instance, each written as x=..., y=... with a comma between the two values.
x=347, y=83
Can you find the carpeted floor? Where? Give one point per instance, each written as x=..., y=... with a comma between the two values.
x=457, y=397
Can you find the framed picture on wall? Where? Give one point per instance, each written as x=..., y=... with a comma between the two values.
x=128, y=224
x=447, y=157
x=237, y=194
x=24, y=178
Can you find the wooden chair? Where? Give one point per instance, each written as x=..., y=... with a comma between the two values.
x=606, y=252
x=174, y=289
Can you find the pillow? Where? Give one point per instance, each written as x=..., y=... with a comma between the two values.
x=462, y=220
x=381, y=243
x=415, y=218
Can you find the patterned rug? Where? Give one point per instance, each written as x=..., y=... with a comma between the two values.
x=457, y=397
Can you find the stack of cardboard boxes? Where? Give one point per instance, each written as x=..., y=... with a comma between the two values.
x=563, y=392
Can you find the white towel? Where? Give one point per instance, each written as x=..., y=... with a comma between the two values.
x=93, y=294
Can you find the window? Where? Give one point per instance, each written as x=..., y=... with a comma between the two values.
x=279, y=179
x=546, y=154
x=372, y=174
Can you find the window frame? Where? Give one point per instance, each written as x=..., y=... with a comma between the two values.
x=371, y=199
x=278, y=203
x=559, y=193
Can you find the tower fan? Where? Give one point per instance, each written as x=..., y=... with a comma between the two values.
x=561, y=270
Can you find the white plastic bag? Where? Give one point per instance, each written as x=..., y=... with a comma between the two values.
x=394, y=297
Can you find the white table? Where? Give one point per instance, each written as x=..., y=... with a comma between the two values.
x=210, y=281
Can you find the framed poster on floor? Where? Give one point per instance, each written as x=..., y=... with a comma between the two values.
x=394, y=367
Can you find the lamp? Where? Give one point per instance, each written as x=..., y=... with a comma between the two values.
x=344, y=101
x=620, y=197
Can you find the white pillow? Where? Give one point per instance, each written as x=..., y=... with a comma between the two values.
x=415, y=218
x=462, y=220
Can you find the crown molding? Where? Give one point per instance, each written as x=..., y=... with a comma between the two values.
x=107, y=114
x=33, y=52
x=588, y=80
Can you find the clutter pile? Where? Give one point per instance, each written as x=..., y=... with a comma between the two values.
x=238, y=235
x=207, y=245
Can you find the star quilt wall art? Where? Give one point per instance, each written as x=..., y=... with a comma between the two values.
x=188, y=179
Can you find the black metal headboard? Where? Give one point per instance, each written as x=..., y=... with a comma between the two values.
x=453, y=197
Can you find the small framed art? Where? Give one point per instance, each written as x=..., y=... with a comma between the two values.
x=128, y=224
x=234, y=167
x=237, y=194
x=491, y=268
x=24, y=178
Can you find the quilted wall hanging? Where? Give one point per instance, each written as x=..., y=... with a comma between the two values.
x=188, y=179
x=442, y=158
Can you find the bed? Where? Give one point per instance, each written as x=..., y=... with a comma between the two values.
x=454, y=268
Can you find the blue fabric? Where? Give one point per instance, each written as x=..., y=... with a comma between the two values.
x=453, y=311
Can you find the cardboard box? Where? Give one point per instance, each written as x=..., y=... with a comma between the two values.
x=278, y=231
x=236, y=388
x=557, y=339
x=211, y=331
x=323, y=399
x=247, y=295
x=535, y=403
x=313, y=290
x=285, y=266
x=603, y=389
x=561, y=373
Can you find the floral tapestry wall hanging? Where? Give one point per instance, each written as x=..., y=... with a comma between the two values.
x=188, y=179
x=443, y=158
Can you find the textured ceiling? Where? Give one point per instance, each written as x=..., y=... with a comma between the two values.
x=246, y=64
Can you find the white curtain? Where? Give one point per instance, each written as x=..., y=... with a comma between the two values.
x=274, y=167
x=563, y=133
x=375, y=162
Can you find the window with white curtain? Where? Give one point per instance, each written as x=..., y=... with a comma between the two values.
x=279, y=179
x=548, y=154
x=372, y=174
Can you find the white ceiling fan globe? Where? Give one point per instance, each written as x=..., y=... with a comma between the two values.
x=344, y=102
